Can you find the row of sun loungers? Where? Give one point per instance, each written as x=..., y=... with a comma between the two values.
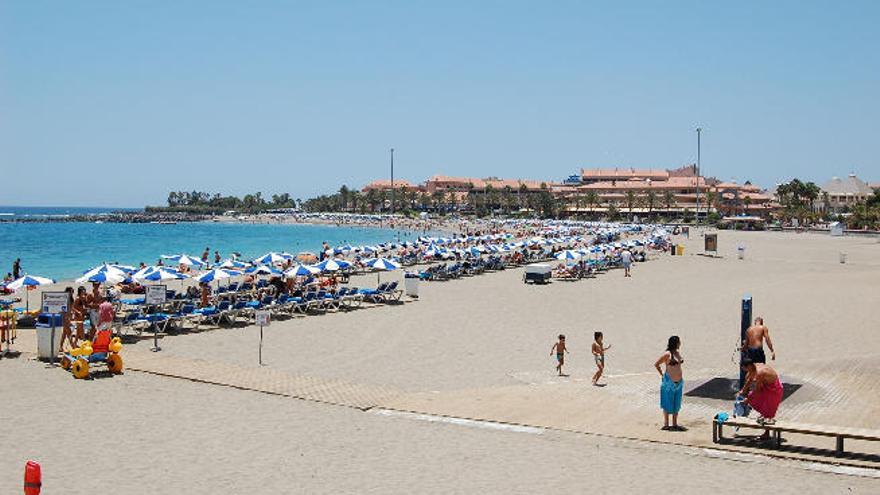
x=187, y=315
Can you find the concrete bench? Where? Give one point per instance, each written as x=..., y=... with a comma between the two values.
x=840, y=433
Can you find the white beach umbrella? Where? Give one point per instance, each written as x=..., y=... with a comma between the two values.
x=568, y=254
x=301, y=271
x=233, y=264
x=380, y=265
x=29, y=282
x=273, y=258
x=217, y=274
x=163, y=273
x=264, y=270
x=184, y=259
x=103, y=274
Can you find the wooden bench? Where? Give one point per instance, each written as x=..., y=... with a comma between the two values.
x=840, y=433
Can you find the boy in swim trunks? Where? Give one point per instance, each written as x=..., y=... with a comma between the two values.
x=560, y=350
x=598, y=356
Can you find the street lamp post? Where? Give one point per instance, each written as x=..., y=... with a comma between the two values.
x=697, y=212
x=392, y=181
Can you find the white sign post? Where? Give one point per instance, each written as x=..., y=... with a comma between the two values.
x=263, y=318
x=154, y=295
x=54, y=303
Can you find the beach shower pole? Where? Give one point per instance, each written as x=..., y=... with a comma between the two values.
x=697, y=212
x=392, y=181
x=745, y=323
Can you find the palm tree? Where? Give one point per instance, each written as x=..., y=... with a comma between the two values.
x=668, y=200
x=651, y=199
x=630, y=201
x=592, y=199
x=343, y=197
x=711, y=198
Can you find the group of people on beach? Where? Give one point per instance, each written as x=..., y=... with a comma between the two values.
x=762, y=389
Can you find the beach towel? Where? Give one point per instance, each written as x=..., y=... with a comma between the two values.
x=670, y=394
x=766, y=400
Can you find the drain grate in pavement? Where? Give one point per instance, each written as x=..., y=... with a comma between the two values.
x=726, y=388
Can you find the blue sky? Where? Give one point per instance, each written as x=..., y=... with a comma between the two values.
x=116, y=103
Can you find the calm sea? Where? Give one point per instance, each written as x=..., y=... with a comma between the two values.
x=12, y=212
x=65, y=250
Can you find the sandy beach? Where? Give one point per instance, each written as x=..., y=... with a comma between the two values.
x=476, y=349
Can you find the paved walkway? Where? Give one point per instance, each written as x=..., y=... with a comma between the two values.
x=266, y=380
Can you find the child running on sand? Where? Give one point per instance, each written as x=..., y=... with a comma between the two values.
x=560, y=350
x=598, y=356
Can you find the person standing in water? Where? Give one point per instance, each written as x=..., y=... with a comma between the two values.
x=672, y=383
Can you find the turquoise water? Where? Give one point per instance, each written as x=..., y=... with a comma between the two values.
x=64, y=250
x=13, y=212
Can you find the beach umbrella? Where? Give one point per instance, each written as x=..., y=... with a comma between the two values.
x=568, y=254
x=273, y=258
x=162, y=273
x=102, y=273
x=107, y=277
x=183, y=259
x=233, y=264
x=381, y=264
x=216, y=274
x=301, y=271
x=264, y=270
x=331, y=265
x=29, y=282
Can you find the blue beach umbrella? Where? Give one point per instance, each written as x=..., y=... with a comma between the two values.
x=568, y=254
x=233, y=264
x=301, y=271
x=381, y=264
x=331, y=265
x=272, y=258
x=264, y=270
x=217, y=274
x=183, y=259
x=103, y=273
x=163, y=273
x=107, y=277
x=28, y=281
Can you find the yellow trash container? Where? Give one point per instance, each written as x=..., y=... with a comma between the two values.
x=679, y=250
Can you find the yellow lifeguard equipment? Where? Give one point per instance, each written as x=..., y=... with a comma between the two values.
x=114, y=363
x=80, y=368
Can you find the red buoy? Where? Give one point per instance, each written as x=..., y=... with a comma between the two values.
x=33, y=478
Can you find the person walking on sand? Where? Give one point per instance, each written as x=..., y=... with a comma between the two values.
x=598, y=356
x=767, y=393
x=672, y=383
x=626, y=258
x=753, y=347
x=559, y=349
x=16, y=269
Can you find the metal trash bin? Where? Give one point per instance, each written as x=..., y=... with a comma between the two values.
x=741, y=251
x=411, y=284
x=45, y=348
x=842, y=257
